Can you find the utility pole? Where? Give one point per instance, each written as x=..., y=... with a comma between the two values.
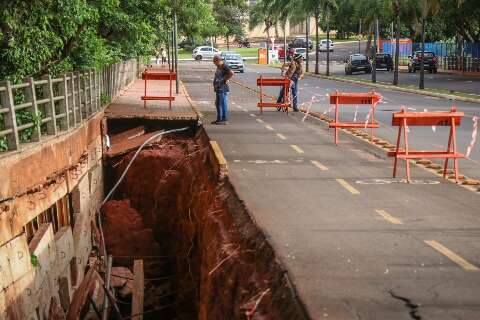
x=307, y=32
x=328, y=44
x=176, y=50
x=422, y=57
x=374, y=58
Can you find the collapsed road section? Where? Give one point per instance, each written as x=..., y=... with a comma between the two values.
x=203, y=255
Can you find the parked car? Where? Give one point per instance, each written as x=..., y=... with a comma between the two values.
x=322, y=45
x=357, y=62
x=430, y=62
x=384, y=61
x=302, y=51
x=301, y=43
x=234, y=61
x=205, y=52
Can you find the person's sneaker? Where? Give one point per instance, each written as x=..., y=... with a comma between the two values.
x=214, y=122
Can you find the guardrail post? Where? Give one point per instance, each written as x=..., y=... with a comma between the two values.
x=63, y=90
x=13, y=142
x=90, y=92
x=79, y=95
x=50, y=106
x=85, y=95
x=31, y=95
x=73, y=99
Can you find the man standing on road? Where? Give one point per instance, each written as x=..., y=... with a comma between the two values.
x=220, y=85
x=294, y=73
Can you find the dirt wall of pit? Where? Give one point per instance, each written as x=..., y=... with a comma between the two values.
x=175, y=203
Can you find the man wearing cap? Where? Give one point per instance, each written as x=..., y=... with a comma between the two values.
x=294, y=72
x=220, y=85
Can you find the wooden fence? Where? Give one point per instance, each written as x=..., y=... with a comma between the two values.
x=53, y=106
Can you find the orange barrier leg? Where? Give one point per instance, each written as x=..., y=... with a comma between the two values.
x=407, y=161
x=170, y=95
x=372, y=121
x=449, y=148
x=336, y=121
x=397, y=150
x=455, y=160
x=145, y=101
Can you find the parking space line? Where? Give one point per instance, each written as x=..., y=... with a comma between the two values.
x=297, y=148
x=281, y=136
x=387, y=216
x=319, y=165
x=348, y=186
x=451, y=255
x=269, y=127
x=260, y=121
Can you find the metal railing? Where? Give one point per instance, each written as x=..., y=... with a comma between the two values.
x=38, y=109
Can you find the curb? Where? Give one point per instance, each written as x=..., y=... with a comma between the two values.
x=220, y=160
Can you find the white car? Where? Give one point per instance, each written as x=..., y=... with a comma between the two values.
x=302, y=51
x=322, y=46
x=205, y=52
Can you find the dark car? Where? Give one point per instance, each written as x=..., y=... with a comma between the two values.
x=301, y=43
x=430, y=61
x=384, y=61
x=357, y=62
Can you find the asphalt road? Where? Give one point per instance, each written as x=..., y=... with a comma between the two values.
x=421, y=138
x=357, y=244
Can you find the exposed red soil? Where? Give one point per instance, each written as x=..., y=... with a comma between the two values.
x=224, y=267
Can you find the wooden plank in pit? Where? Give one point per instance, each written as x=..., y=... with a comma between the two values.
x=138, y=290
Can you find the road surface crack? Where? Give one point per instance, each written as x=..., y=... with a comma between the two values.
x=409, y=304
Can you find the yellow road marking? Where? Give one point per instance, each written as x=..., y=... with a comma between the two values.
x=252, y=115
x=269, y=127
x=451, y=255
x=297, y=148
x=387, y=216
x=348, y=186
x=319, y=165
x=260, y=121
x=281, y=136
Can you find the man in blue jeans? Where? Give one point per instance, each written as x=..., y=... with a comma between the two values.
x=220, y=85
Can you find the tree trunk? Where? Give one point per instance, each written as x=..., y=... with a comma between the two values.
x=369, y=40
x=317, y=53
x=228, y=43
x=397, y=41
x=285, y=41
x=307, y=36
x=328, y=45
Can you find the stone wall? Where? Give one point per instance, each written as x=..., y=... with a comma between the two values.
x=38, y=277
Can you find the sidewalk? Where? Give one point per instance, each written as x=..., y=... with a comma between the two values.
x=129, y=105
x=358, y=244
